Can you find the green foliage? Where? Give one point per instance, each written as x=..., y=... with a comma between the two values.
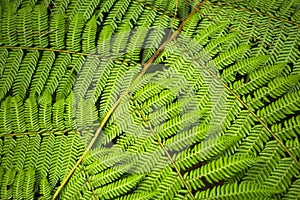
x=135, y=99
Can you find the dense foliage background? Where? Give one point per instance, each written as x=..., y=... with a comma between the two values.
x=135, y=99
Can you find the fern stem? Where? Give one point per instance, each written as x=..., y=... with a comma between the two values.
x=36, y=133
x=48, y=49
x=89, y=182
x=115, y=105
x=63, y=51
x=90, y=145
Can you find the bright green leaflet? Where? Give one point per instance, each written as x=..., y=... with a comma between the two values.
x=136, y=99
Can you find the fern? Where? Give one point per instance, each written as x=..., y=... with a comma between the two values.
x=10, y=70
x=24, y=74
x=131, y=99
x=40, y=30
x=24, y=17
x=218, y=170
x=234, y=191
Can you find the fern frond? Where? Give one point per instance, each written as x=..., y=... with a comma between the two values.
x=268, y=160
x=108, y=176
x=57, y=31
x=118, y=188
x=86, y=115
x=89, y=36
x=172, y=110
x=88, y=8
x=56, y=160
x=122, y=99
x=72, y=148
x=257, y=80
x=45, y=189
x=21, y=147
x=72, y=190
x=255, y=142
x=186, y=138
x=40, y=26
x=215, y=45
x=229, y=56
x=70, y=112
x=119, y=79
x=25, y=73
x=5, y=117
x=24, y=18
x=245, y=190
x=103, y=44
x=116, y=13
x=282, y=85
x=191, y=25
x=31, y=109
x=99, y=79
x=288, y=50
x=8, y=179
x=146, y=159
x=293, y=191
x=18, y=185
x=58, y=115
x=137, y=196
x=28, y=3
x=87, y=72
x=245, y=66
x=170, y=186
x=74, y=33
x=67, y=77
x=132, y=14
x=3, y=59
x=155, y=37
x=184, y=8
x=10, y=71
x=135, y=44
x=66, y=83
x=86, y=118
x=154, y=179
x=45, y=107
x=28, y=185
x=288, y=104
x=208, y=30
x=280, y=178
x=242, y=124
x=17, y=113
x=107, y=160
x=32, y=152
x=73, y=9
x=60, y=6
x=56, y=73
x=9, y=24
x=233, y=109
x=203, y=151
x=45, y=155
x=221, y=169
x=289, y=129
x=40, y=77
x=293, y=146
x=275, y=88
x=148, y=18
x=177, y=124
x=120, y=42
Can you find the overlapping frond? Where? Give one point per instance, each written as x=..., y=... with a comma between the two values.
x=134, y=99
